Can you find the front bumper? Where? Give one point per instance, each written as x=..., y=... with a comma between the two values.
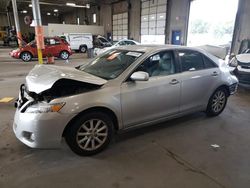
x=40, y=130
x=233, y=88
x=15, y=54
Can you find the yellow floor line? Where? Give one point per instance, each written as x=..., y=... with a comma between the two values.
x=6, y=99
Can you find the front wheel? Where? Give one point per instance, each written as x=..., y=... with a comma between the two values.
x=64, y=55
x=217, y=102
x=90, y=133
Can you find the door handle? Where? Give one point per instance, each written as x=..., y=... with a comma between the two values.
x=173, y=82
x=214, y=73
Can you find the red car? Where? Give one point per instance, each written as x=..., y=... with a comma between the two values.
x=55, y=46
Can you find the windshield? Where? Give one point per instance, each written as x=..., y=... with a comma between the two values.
x=111, y=64
x=102, y=39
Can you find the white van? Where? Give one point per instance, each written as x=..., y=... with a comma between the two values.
x=79, y=41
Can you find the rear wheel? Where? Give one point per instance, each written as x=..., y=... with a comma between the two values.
x=26, y=56
x=64, y=55
x=217, y=102
x=90, y=134
x=83, y=49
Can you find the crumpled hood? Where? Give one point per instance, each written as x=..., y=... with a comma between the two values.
x=42, y=77
x=243, y=58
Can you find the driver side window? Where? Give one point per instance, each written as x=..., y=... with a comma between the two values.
x=160, y=64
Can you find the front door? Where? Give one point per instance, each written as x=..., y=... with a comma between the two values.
x=145, y=101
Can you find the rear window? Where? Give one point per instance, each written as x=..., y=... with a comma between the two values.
x=191, y=60
x=209, y=63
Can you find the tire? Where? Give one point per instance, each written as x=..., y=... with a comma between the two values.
x=217, y=102
x=83, y=49
x=86, y=140
x=64, y=55
x=26, y=56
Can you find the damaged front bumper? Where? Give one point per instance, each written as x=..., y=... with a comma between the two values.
x=38, y=130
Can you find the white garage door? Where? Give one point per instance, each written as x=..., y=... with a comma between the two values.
x=120, y=26
x=153, y=21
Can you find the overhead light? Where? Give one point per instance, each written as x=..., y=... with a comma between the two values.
x=48, y=13
x=87, y=5
x=30, y=5
x=71, y=4
x=55, y=10
x=94, y=18
x=24, y=11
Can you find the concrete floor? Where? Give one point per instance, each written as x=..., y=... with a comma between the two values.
x=174, y=154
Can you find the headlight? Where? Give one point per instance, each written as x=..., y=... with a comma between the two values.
x=45, y=108
x=233, y=62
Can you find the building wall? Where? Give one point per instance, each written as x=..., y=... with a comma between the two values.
x=60, y=29
x=135, y=20
x=106, y=17
x=242, y=25
x=90, y=12
x=177, y=19
x=177, y=10
x=71, y=17
x=3, y=19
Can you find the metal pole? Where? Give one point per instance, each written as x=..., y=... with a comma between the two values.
x=38, y=29
x=18, y=31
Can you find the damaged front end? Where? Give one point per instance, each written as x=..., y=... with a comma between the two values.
x=61, y=88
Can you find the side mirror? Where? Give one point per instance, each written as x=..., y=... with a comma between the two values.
x=140, y=76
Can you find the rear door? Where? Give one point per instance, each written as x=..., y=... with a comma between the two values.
x=199, y=79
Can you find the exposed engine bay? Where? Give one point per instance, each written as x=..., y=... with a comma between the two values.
x=61, y=88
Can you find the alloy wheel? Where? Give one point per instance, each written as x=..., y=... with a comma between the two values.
x=26, y=56
x=92, y=134
x=218, y=101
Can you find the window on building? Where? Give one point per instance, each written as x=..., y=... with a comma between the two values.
x=120, y=26
x=153, y=21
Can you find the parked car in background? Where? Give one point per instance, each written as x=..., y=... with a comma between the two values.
x=124, y=88
x=100, y=42
x=241, y=63
x=53, y=45
x=124, y=42
x=79, y=41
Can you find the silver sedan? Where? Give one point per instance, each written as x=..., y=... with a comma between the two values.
x=124, y=88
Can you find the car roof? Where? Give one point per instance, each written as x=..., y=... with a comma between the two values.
x=150, y=48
